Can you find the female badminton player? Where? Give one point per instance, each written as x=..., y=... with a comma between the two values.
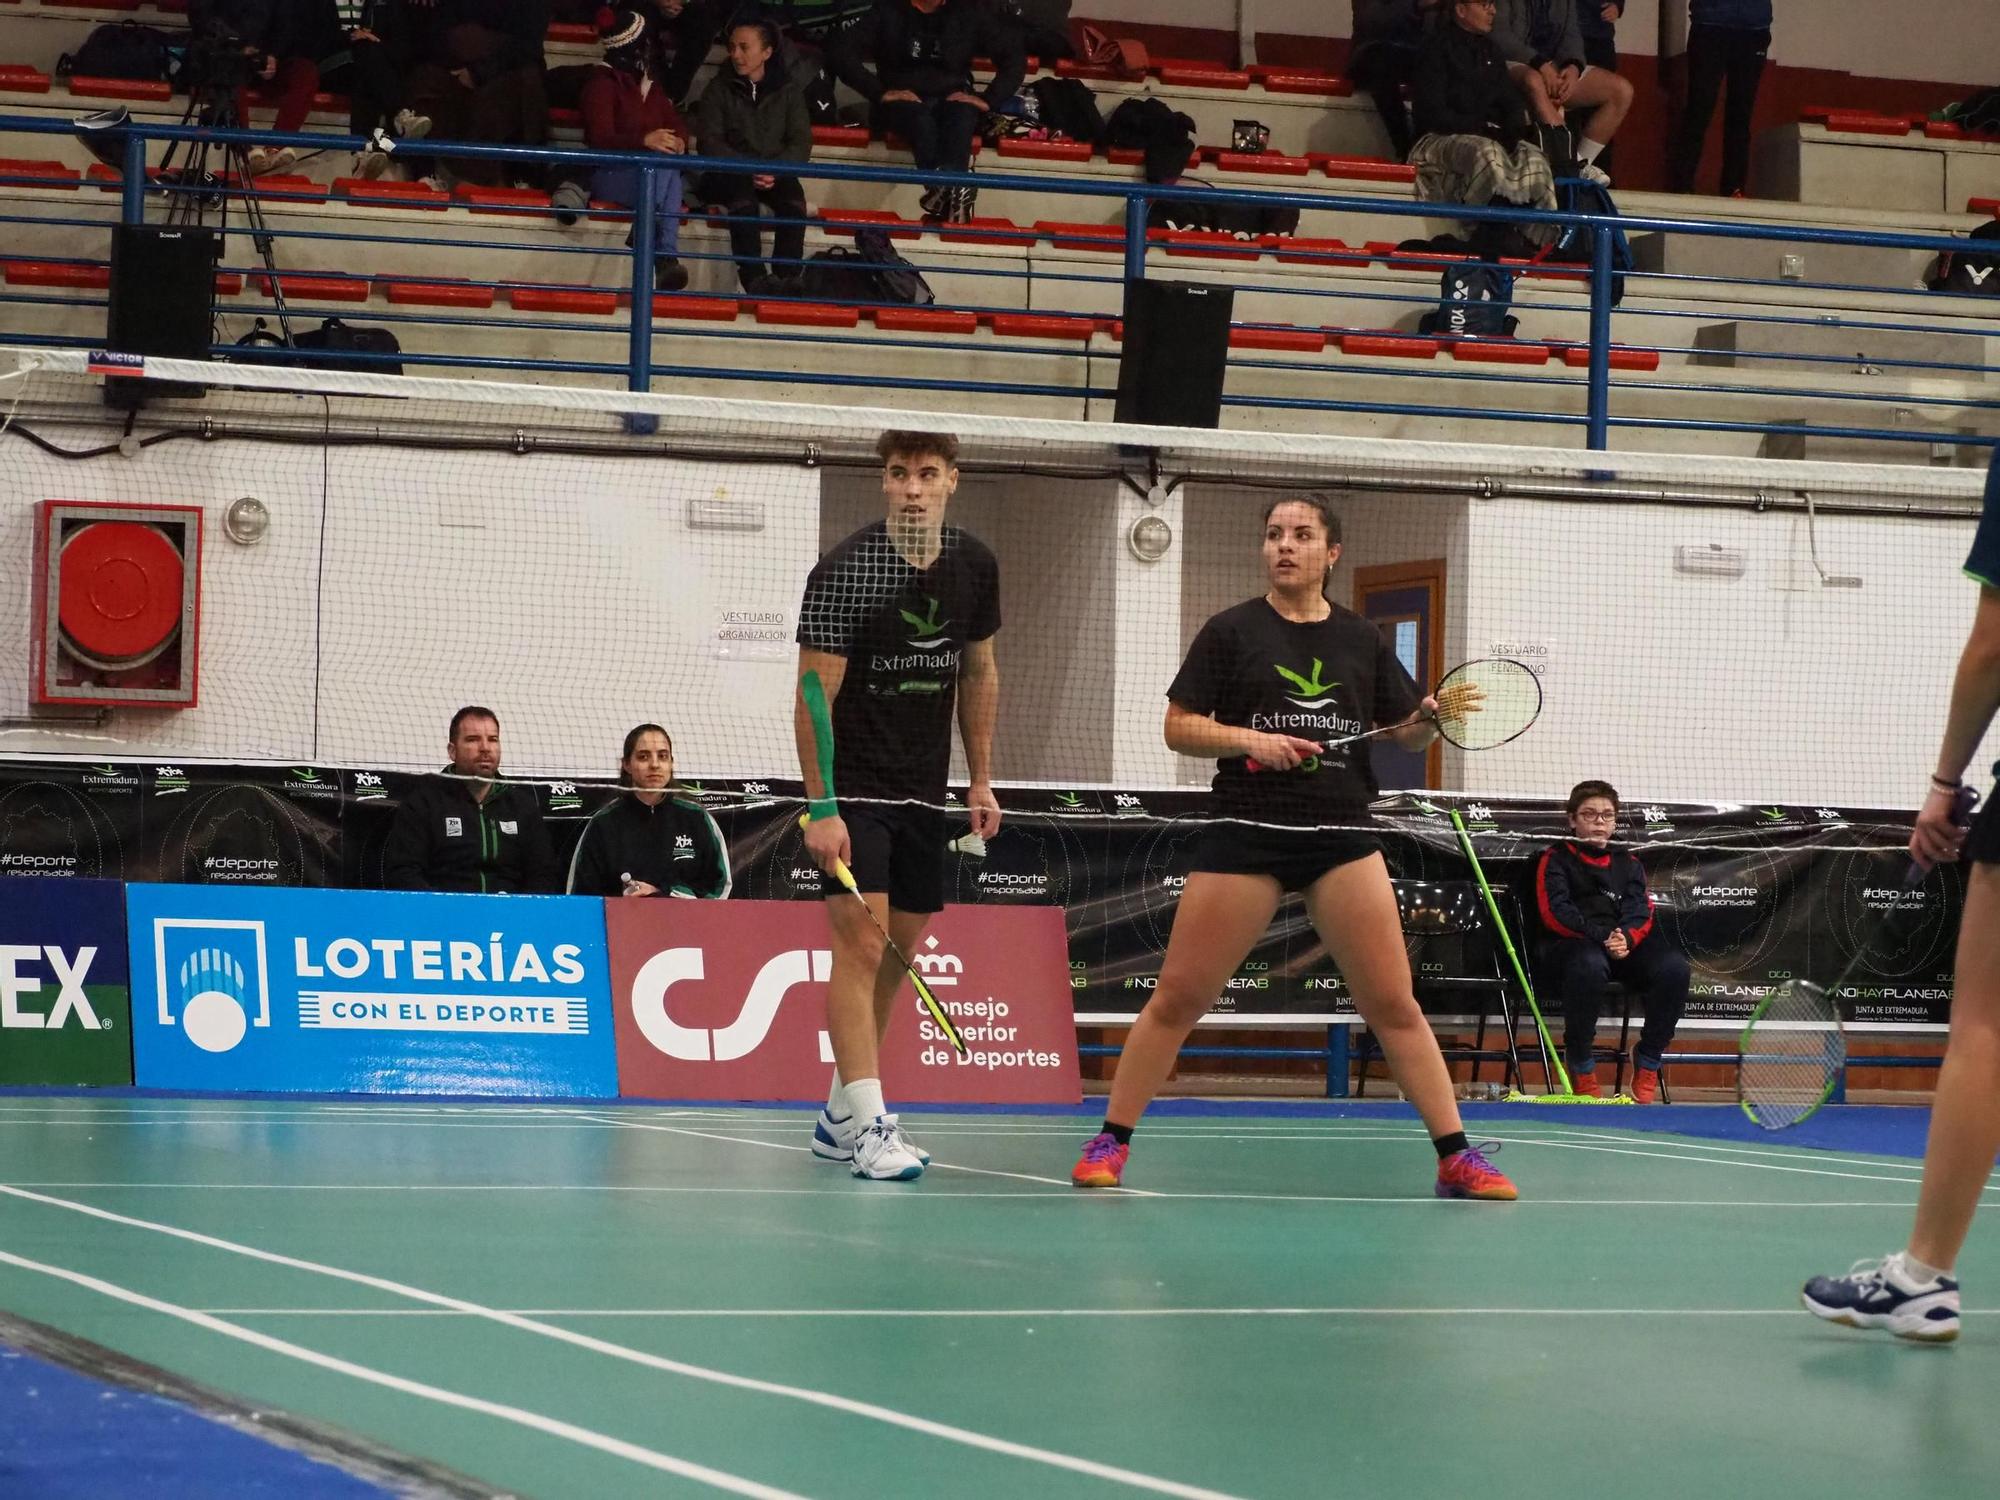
x=1914, y=1292
x=1264, y=686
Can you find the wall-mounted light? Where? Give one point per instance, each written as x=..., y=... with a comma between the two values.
x=246, y=521
x=1712, y=560
x=1149, y=538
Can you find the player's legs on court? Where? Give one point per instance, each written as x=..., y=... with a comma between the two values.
x=1217, y=922
x=1914, y=1293
x=853, y=1030
x=1353, y=908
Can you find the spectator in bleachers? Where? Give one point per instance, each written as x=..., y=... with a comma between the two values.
x=1388, y=41
x=478, y=77
x=683, y=31
x=920, y=85
x=465, y=829
x=1728, y=42
x=271, y=41
x=626, y=108
x=1475, y=142
x=650, y=842
x=1545, y=54
x=1597, y=22
x=363, y=51
x=1596, y=921
x=755, y=110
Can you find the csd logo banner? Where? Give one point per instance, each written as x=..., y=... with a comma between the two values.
x=369, y=992
x=727, y=1000
x=65, y=1013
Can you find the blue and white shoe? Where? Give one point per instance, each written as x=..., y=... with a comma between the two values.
x=1882, y=1294
x=833, y=1140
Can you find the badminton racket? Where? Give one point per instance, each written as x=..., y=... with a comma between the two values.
x=1793, y=1049
x=813, y=691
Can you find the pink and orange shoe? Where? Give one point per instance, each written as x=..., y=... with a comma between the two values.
x=1102, y=1164
x=1468, y=1174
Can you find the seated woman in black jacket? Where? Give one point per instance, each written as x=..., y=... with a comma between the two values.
x=650, y=842
x=1475, y=141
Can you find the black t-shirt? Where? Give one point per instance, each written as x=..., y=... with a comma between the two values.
x=904, y=634
x=1983, y=563
x=1252, y=668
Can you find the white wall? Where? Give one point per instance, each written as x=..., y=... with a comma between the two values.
x=569, y=594
x=1765, y=687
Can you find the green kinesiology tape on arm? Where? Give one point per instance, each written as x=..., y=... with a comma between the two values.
x=814, y=693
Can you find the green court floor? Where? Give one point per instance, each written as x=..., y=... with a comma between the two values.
x=606, y=1302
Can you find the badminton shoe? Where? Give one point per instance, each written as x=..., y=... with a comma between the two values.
x=1645, y=1085
x=882, y=1154
x=833, y=1140
x=1102, y=1163
x=1468, y=1174
x=1883, y=1294
x=1584, y=1086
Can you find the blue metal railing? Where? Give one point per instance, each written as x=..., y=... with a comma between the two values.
x=1133, y=202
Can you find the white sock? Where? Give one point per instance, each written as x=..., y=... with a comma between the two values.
x=1913, y=1275
x=836, y=1099
x=864, y=1101
x=1587, y=150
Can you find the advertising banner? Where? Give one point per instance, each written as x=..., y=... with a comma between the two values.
x=65, y=995
x=264, y=988
x=727, y=1000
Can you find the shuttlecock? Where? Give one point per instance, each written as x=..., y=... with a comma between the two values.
x=971, y=845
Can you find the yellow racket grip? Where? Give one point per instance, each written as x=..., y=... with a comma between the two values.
x=840, y=871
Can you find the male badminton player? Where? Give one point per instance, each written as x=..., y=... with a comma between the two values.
x=1268, y=682
x=898, y=621
x=1913, y=1293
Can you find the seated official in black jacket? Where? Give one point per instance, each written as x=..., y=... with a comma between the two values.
x=1597, y=926
x=650, y=842
x=467, y=830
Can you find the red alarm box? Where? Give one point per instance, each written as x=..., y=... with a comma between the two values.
x=117, y=603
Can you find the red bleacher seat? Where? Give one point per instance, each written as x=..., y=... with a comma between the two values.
x=1302, y=250
x=808, y=314
x=561, y=299
x=1212, y=244
x=19, y=171
x=848, y=221
x=923, y=320
x=1269, y=162
x=1058, y=150
x=55, y=273
x=840, y=135
x=1499, y=352
x=1066, y=236
x=19, y=78
x=1364, y=168
x=693, y=308
x=390, y=194
x=576, y=33
x=440, y=294
x=313, y=284
x=1577, y=357
x=228, y=283
x=501, y=200
x=1983, y=206
x=145, y=90
x=1040, y=325
x=1184, y=75
x=92, y=4
x=1290, y=340
x=1389, y=345
x=987, y=232
x=1294, y=81
x=1866, y=122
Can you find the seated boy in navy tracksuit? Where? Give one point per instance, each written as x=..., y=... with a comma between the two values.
x=1597, y=925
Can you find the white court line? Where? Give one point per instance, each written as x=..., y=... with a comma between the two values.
x=1906, y=1179
x=936, y=1166
x=1049, y=1312
x=616, y=1447
x=1713, y=1147
x=888, y=1416
x=1067, y=1194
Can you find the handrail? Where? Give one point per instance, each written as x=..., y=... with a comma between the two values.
x=1135, y=198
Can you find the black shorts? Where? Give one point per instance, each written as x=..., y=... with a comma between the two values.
x=898, y=850
x=1982, y=844
x=1295, y=858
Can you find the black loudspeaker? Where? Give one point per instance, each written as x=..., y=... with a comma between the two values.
x=162, y=290
x=1176, y=347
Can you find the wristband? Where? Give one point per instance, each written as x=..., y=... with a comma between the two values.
x=822, y=807
x=1939, y=784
